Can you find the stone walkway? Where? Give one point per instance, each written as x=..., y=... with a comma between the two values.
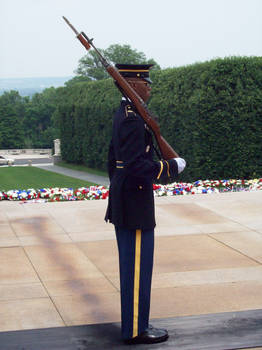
x=101, y=180
x=59, y=263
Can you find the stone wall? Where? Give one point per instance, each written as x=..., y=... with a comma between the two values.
x=41, y=151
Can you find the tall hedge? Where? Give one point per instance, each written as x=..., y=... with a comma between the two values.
x=211, y=113
x=85, y=120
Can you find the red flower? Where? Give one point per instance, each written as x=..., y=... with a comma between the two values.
x=105, y=195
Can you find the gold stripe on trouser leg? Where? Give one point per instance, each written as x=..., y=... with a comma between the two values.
x=136, y=282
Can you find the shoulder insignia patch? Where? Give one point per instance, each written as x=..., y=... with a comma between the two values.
x=129, y=111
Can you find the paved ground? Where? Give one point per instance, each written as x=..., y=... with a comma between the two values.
x=59, y=264
x=25, y=161
x=35, y=158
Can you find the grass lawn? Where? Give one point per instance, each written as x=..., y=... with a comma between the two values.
x=83, y=168
x=22, y=178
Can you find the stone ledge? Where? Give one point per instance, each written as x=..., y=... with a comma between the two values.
x=223, y=331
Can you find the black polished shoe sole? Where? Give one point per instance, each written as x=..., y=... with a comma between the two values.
x=146, y=340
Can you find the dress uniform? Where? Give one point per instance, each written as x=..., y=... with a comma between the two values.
x=132, y=172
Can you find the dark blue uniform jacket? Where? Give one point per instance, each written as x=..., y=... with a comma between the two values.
x=132, y=172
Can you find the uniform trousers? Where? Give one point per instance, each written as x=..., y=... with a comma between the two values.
x=136, y=251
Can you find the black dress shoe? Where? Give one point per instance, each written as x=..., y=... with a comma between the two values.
x=150, y=336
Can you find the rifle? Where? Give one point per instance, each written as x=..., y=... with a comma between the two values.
x=167, y=152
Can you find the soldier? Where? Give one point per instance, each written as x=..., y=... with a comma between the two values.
x=132, y=172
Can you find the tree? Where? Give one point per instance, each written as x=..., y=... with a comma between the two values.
x=12, y=109
x=39, y=128
x=77, y=79
x=90, y=66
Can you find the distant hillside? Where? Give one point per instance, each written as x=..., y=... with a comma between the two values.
x=29, y=86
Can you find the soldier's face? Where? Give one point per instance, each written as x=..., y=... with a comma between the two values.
x=141, y=87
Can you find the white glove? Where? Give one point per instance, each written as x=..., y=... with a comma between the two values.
x=181, y=164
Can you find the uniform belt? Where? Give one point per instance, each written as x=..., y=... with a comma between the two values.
x=120, y=164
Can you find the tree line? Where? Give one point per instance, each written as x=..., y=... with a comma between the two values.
x=28, y=122
x=32, y=122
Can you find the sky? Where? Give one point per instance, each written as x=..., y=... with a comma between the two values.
x=36, y=42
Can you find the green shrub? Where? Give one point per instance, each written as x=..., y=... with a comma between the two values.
x=211, y=113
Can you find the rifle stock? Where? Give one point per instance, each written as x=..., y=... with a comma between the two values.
x=167, y=152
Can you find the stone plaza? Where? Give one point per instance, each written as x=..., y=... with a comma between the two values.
x=59, y=261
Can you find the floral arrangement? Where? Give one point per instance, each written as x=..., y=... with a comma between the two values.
x=101, y=192
x=207, y=187
x=57, y=194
